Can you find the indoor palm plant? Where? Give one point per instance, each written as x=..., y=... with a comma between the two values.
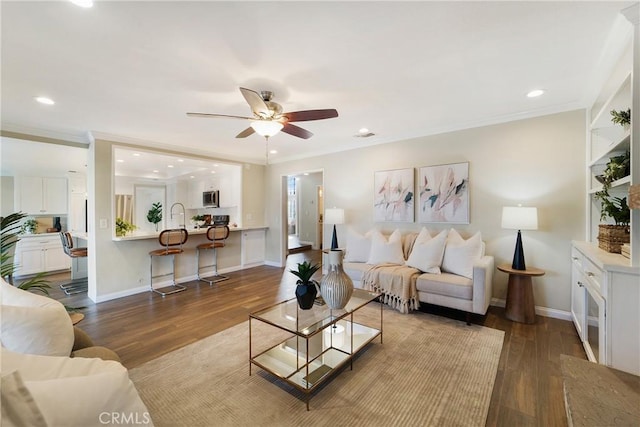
x=307, y=288
x=10, y=230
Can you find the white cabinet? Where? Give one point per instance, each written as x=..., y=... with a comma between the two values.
x=194, y=196
x=41, y=196
x=253, y=247
x=37, y=254
x=605, y=294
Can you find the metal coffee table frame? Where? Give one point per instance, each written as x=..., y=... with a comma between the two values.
x=320, y=342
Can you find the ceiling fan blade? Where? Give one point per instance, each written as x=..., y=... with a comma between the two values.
x=208, y=115
x=255, y=101
x=296, y=131
x=245, y=133
x=303, y=116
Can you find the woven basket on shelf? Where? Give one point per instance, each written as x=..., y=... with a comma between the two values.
x=611, y=237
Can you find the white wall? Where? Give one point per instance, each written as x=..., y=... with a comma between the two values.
x=537, y=162
x=6, y=195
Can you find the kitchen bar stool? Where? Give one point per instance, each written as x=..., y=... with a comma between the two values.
x=171, y=241
x=78, y=285
x=217, y=235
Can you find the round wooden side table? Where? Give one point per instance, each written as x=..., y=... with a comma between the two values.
x=520, y=306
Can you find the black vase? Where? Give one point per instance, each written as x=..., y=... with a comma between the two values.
x=306, y=295
x=57, y=224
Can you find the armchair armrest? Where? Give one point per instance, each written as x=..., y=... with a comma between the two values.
x=482, y=284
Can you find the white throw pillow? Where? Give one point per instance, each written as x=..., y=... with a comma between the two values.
x=358, y=246
x=385, y=251
x=427, y=253
x=34, y=324
x=460, y=254
x=18, y=406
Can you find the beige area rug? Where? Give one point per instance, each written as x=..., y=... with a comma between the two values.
x=429, y=371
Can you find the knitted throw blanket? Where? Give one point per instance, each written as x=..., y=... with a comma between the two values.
x=397, y=284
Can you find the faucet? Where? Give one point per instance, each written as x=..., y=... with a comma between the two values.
x=183, y=225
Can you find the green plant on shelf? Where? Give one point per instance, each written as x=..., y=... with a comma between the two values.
x=621, y=117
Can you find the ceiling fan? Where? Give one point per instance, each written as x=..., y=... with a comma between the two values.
x=268, y=118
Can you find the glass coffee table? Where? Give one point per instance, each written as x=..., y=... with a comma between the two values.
x=314, y=343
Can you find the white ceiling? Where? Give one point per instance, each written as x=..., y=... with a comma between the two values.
x=131, y=70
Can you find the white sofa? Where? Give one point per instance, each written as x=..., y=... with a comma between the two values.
x=456, y=278
x=41, y=385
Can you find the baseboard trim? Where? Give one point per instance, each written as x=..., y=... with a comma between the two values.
x=162, y=284
x=540, y=311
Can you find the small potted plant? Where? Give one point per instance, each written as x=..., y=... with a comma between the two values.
x=307, y=288
x=29, y=226
x=198, y=220
x=622, y=117
x=154, y=215
x=123, y=227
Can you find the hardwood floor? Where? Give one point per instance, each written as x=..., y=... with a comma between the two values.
x=528, y=386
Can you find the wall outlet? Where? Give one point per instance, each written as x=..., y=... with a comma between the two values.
x=103, y=223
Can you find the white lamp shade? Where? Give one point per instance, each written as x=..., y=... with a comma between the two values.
x=334, y=216
x=519, y=218
x=266, y=127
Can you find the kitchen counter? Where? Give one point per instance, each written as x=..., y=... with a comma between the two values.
x=32, y=235
x=192, y=231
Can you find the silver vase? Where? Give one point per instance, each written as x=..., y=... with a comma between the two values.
x=336, y=287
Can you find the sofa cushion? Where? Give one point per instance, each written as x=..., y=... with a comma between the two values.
x=386, y=251
x=358, y=246
x=356, y=270
x=33, y=323
x=428, y=251
x=447, y=284
x=460, y=254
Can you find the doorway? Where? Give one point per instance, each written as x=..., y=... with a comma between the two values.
x=302, y=208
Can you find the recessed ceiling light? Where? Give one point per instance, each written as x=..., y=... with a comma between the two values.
x=216, y=165
x=306, y=174
x=169, y=166
x=44, y=100
x=136, y=154
x=120, y=161
x=180, y=160
x=363, y=130
x=535, y=93
x=83, y=3
x=273, y=152
x=191, y=176
x=155, y=171
x=213, y=171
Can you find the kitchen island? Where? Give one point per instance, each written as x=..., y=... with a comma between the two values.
x=129, y=258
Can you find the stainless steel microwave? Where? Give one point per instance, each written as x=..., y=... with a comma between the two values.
x=211, y=199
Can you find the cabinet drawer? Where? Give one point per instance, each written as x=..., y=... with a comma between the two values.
x=593, y=273
x=576, y=257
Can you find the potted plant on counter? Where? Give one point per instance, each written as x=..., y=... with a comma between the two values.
x=29, y=226
x=307, y=288
x=123, y=227
x=154, y=215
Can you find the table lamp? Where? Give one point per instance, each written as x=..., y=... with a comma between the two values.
x=334, y=216
x=519, y=218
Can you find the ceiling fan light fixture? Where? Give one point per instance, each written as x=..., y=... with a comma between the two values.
x=266, y=128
